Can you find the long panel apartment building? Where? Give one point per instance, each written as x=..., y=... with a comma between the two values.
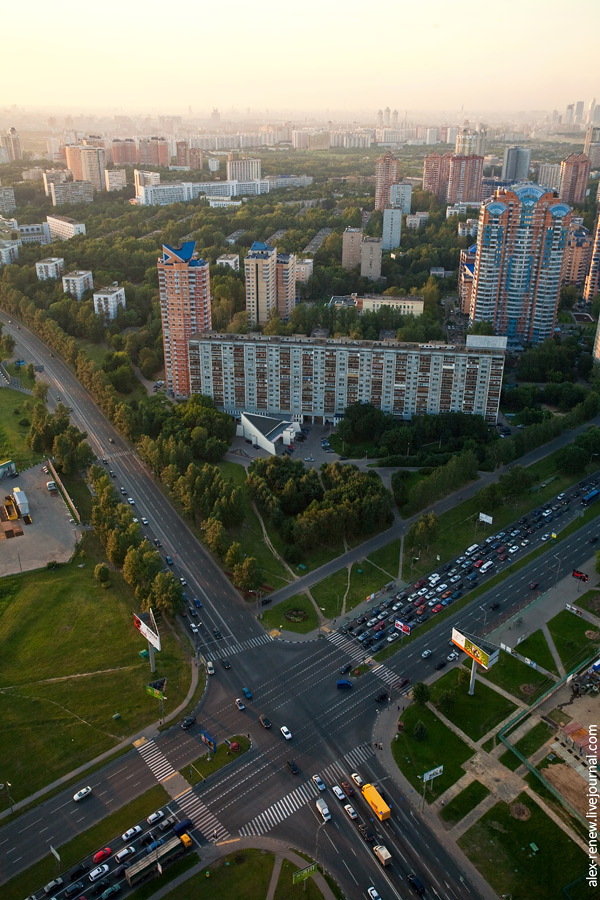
x=314, y=379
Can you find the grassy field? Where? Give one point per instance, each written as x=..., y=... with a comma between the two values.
x=388, y=559
x=202, y=767
x=88, y=842
x=21, y=373
x=70, y=662
x=568, y=634
x=244, y=875
x=589, y=601
x=170, y=873
x=475, y=715
x=353, y=451
x=275, y=618
x=15, y=406
x=516, y=677
x=464, y=802
x=329, y=593
x=536, y=647
x=307, y=890
x=441, y=745
x=80, y=495
x=527, y=745
x=499, y=846
x=365, y=579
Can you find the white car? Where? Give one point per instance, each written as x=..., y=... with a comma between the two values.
x=339, y=793
x=98, y=872
x=286, y=732
x=373, y=895
x=144, y=520
x=135, y=521
x=131, y=501
x=525, y=542
x=545, y=537
x=193, y=628
x=131, y=832
x=425, y=654
x=123, y=854
x=392, y=637
x=155, y=817
x=319, y=782
x=350, y=810
x=84, y=792
x=356, y=779
x=452, y=656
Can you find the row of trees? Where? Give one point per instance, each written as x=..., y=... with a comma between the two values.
x=51, y=434
x=459, y=470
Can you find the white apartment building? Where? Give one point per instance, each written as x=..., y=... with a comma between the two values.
x=229, y=259
x=370, y=258
x=142, y=178
x=468, y=228
x=115, y=179
x=401, y=195
x=315, y=379
x=7, y=200
x=76, y=283
x=63, y=228
x=408, y=306
x=417, y=219
x=260, y=269
x=243, y=169
x=71, y=192
x=9, y=252
x=549, y=176
x=304, y=269
x=51, y=267
x=53, y=176
x=35, y=234
x=107, y=301
x=392, y=227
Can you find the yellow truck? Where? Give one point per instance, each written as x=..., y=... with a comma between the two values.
x=376, y=802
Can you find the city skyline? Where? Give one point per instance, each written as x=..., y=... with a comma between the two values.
x=431, y=75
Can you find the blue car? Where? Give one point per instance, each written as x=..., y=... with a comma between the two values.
x=247, y=693
x=169, y=560
x=197, y=603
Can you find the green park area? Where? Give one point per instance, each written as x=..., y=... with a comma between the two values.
x=516, y=677
x=244, y=875
x=296, y=614
x=589, y=601
x=364, y=579
x=535, y=738
x=475, y=715
x=522, y=853
x=71, y=664
x=574, y=638
x=536, y=648
x=15, y=419
x=464, y=802
x=418, y=749
x=388, y=559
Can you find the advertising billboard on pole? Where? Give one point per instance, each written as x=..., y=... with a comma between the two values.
x=147, y=627
x=481, y=651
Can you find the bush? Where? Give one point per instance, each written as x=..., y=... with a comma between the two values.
x=25, y=423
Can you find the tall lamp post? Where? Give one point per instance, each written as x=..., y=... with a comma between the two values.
x=6, y=787
x=317, y=844
x=558, y=559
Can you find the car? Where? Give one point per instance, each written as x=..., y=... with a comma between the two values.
x=194, y=628
x=393, y=637
x=155, y=817
x=110, y=891
x=188, y=722
x=503, y=557
x=381, y=697
x=292, y=767
x=452, y=656
x=309, y=459
x=239, y=703
x=182, y=581
x=437, y=608
x=84, y=792
x=74, y=888
x=478, y=564
x=525, y=542
x=347, y=788
x=286, y=732
x=135, y=521
x=131, y=501
x=345, y=668
x=441, y=664
x=247, y=693
x=366, y=833
x=157, y=543
x=79, y=869
x=495, y=606
x=373, y=895
x=350, y=810
x=358, y=781
x=533, y=585
x=147, y=838
x=168, y=560
x=192, y=611
x=197, y=603
x=338, y=792
x=124, y=853
x=145, y=521
x=131, y=832
x=264, y=721
x=225, y=663
x=98, y=872
x=319, y=782
x=593, y=540
x=425, y=654
x=545, y=537
x=217, y=634
x=101, y=886
x=101, y=854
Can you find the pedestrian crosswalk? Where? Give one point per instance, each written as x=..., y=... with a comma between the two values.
x=385, y=674
x=300, y=796
x=201, y=816
x=355, y=651
x=238, y=647
x=156, y=761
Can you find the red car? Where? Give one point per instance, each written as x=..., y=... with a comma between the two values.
x=437, y=608
x=419, y=584
x=478, y=564
x=402, y=683
x=347, y=788
x=420, y=610
x=102, y=854
x=503, y=558
x=533, y=585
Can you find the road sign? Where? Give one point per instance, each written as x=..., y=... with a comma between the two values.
x=433, y=773
x=157, y=688
x=483, y=518
x=54, y=852
x=302, y=874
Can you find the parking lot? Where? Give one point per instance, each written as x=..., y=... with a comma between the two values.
x=52, y=534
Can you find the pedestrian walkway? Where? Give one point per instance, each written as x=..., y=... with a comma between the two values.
x=155, y=759
x=555, y=654
x=203, y=819
x=239, y=647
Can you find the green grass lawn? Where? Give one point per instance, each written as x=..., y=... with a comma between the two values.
x=516, y=677
x=568, y=634
x=79, y=493
x=275, y=618
x=202, y=767
x=21, y=373
x=388, y=558
x=527, y=745
x=475, y=715
x=441, y=745
x=14, y=407
x=307, y=890
x=329, y=593
x=96, y=352
x=498, y=845
x=170, y=872
x=589, y=601
x=243, y=875
x=353, y=451
x=464, y=802
x=70, y=666
x=536, y=647
x=88, y=842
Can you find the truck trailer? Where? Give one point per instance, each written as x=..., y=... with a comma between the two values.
x=383, y=854
x=376, y=802
x=21, y=500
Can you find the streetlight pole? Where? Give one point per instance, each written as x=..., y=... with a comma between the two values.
x=317, y=843
x=484, y=611
x=557, y=557
x=6, y=787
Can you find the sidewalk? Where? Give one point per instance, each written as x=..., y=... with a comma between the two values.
x=149, y=732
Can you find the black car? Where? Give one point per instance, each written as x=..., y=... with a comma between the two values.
x=367, y=835
x=441, y=664
x=593, y=540
x=345, y=668
x=381, y=697
x=292, y=767
x=226, y=663
x=79, y=870
x=217, y=633
x=495, y=606
x=100, y=887
x=74, y=888
x=157, y=542
x=147, y=838
x=188, y=722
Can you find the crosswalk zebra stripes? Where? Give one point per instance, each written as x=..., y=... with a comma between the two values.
x=204, y=820
x=239, y=647
x=385, y=674
x=301, y=795
x=156, y=761
x=355, y=651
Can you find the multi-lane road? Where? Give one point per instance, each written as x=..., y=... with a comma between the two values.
x=293, y=684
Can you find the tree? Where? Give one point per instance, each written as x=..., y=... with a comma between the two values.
x=446, y=700
x=462, y=677
x=165, y=594
x=101, y=574
x=419, y=731
x=234, y=556
x=246, y=576
x=40, y=391
x=421, y=693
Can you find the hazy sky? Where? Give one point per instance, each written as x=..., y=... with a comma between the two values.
x=126, y=55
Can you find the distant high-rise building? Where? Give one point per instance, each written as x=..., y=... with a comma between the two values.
x=574, y=176
x=182, y=153
x=470, y=143
x=436, y=173
x=243, y=169
x=53, y=176
x=71, y=192
x=465, y=178
x=351, y=241
x=379, y=118
x=387, y=173
x=591, y=111
x=260, y=269
x=154, y=151
x=401, y=195
x=465, y=277
x=395, y=118
x=286, y=284
x=578, y=254
x=370, y=258
x=87, y=164
x=592, y=281
x=142, y=178
x=432, y=136
x=12, y=144
x=7, y=199
x=591, y=148
x=516, y=164
x=392, y=227
x=570, y=114
x=184, y=291
x=579, y=112
x=124, y=152
x=115, y=179
x=386, y=117
x=521, y=243
x=549, y=176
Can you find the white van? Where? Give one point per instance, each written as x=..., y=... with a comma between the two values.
x=323, y=809
x=471, y=550
x=486, y=566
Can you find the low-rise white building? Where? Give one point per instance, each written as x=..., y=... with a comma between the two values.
x=229, y=259
x=468, y=228
x=63, y=228
x=416, y=219
x=115, y=179
x=51, y=267
x=107, y=301
x=9, y=252
x=76, y=283
x=35, y=234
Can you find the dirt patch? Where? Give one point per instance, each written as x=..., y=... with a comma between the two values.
x=528, y=689
x=592, y=635
x=296, y=615
x=594, y=603
x=519, y=811
x=569, y=784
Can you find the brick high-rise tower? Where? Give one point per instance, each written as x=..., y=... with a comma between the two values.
x=387, y=173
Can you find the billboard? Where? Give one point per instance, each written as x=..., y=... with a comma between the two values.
x=433, y=773
x=485, y=657
x=157, y=688
x=404, y=627
x=303, y=874
x=148, y=628
x=484, y=518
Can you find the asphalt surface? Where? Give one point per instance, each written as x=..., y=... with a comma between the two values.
x=293, y=684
